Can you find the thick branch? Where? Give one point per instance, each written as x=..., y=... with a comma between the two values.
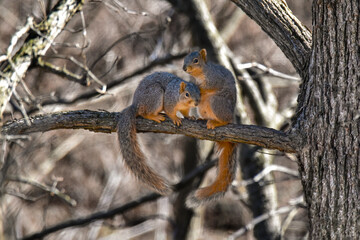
x=36, y=44
x=106, y=122
x=277, y=20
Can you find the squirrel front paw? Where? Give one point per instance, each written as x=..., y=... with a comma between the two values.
x=191, y=117
x=176, y=121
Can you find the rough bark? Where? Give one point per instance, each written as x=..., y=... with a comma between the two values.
x=277, y=20
x=104, y=122
x=328, y=115
x=328, y=121
x=40, y=39
x=205, y=34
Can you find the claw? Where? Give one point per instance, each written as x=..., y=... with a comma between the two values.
x=212, y=124
x=176, y=121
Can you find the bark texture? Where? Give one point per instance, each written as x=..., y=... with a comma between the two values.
x=36, y=44
x=329, y=122
x=277, y=20
x=104, y=122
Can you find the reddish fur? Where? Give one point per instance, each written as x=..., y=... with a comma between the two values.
x=204, y=106
x=225, y=174
x=196, y=72
x=226, y=167
x=184, y=108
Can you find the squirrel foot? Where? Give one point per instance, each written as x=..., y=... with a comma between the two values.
x=211, y=124
x=176, y=121
x=191, y=117
x=157, y=118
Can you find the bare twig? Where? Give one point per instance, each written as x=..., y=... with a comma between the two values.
x=287, y=221
x=268, y=70
x=140, y=220
x=130, y=35
x=14, y=137
x=277, y=20
x=51, y=190
x=299, y=202
x=86, y=69
x=21, y=107
x=105, y=200
x=160, y=61
x=124, y=8
x=268, y=170
x=121, y=209
x=20, y=195
x=62, y=71
x=34, y=46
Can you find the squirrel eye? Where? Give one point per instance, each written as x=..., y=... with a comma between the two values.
x=195, y=60
x=187, y=94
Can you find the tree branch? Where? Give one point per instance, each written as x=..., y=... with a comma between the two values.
x=293, y=204
x=106, y=122
x=277, y=20
x=52, y=190
x=121, y=209
x=36, y=44
x=121, y=80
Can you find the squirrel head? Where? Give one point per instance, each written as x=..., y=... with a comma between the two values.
x=194, y=62
x=189, y=94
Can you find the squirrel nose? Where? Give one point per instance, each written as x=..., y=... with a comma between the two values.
x=184, y=68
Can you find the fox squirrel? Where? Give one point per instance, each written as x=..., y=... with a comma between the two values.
x=217, y=105
x=160, y=91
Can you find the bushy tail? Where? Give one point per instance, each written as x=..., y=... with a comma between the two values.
x=226, y=173
x=133, y=156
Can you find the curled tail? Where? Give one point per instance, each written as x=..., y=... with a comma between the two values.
x=226, y=173
x=133, y=156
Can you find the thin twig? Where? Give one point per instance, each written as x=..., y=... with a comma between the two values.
x=160, y=61
x=35, y=45
x=22, y=107
x=86, y=69
x=287, y=221
x=268, y=70
x=14, y=137
x=266, y=171
x=130, y=35
x=293, y=204
x=124, y=8
x=21, y=195
x=121, y=209
x=52, y=190
x=61, y=71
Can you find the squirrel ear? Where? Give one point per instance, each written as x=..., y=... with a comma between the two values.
x=182, y=87
x=203, y=54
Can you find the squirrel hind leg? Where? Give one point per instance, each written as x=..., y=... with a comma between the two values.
x=212, y=124
x=226, y=173
x=222, y=109
x=155, y=117
x=152, y=111
x=204, y=195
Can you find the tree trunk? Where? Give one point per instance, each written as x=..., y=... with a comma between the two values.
x=329, y=122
